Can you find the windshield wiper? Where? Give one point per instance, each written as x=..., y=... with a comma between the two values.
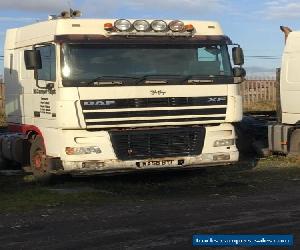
x=202, y=79
x=155, y=79
x=180, y=78
x=149, y=79
x=110, y=80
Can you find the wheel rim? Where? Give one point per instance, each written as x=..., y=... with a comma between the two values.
x=39, y=161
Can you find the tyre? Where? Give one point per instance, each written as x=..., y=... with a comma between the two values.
x=9, y=165
x=38, y=160
x=244, y=141
x=5, y=163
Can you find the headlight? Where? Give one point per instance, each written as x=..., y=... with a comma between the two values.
x=176, y=26
x=159, y=25
x=123, y=25
x=141, y=25
x=224, y=143
x=82, y=150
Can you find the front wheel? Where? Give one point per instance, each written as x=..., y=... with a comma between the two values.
x=38, y=160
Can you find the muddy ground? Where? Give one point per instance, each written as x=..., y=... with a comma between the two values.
x=151, y=210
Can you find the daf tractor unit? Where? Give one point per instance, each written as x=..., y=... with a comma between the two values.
x=87, y=96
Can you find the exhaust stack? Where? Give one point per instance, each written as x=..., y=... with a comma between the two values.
x=286, y=31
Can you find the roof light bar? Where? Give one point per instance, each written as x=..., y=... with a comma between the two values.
x=143, y=27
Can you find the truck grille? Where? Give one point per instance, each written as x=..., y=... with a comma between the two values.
x=159, y=143
x=124, y=113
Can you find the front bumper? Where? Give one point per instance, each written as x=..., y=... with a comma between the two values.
x=107, y=160
x=115, y=166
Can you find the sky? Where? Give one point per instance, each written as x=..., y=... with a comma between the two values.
x=254, y=24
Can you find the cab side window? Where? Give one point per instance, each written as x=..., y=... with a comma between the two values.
x=48, y=70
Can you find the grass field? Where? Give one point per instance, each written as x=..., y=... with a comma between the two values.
x=260, y=106
x=19, y=194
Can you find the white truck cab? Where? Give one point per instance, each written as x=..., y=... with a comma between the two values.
x=284, y=135
x=290, y=80
x=95, y=95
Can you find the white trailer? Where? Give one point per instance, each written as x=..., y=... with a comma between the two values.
x=97, y=96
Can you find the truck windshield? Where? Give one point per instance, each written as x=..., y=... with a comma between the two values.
x=85, y=63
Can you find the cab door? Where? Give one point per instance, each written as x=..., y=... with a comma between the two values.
x=44, y=93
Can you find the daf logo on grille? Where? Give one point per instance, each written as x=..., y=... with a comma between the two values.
x=216, y=99
x=99, y=103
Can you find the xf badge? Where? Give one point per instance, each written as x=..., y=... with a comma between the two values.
x=217, y=99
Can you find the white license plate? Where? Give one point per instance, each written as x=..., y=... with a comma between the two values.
x=162, y=163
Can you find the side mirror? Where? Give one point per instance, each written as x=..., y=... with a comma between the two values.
x=239, y=72
x=32, y=59
x=238, y=56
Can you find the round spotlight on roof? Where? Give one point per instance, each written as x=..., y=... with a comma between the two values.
x=123, y=25
x=176, y=26
x=159, y=25
x=141, y=25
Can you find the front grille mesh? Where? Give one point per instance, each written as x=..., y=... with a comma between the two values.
x=162, y=143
